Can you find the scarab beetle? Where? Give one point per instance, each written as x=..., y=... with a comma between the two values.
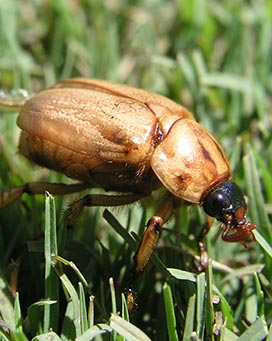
x=128, y=140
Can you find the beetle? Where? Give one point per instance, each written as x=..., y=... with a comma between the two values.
x=132, y=141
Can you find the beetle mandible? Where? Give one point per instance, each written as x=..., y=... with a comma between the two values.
x=132, y=141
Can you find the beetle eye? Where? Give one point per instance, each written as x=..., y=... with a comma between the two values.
x=215, y=203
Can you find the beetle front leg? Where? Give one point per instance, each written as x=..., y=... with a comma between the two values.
x=32, y=188
x=148, y=243
x=241, y=234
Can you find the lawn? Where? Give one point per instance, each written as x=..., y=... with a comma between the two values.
x=69, y=282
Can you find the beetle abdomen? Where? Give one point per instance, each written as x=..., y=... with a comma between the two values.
x=114, y=176
x=91, y=136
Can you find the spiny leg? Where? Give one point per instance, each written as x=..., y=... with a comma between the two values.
x=10, y=195
x=230, y=234
x=91, y=200
x=148, y=243
x=204, y=258
x=32, y=188
x=241, y=233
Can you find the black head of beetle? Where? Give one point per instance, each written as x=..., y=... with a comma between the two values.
x=226, y=203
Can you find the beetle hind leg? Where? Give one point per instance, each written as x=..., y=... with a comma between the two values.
x=9, y=196
x=101, y=200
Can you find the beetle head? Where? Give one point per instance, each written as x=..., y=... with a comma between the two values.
x=226, y=203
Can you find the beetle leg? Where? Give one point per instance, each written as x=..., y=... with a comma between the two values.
x=151, y=234
x=148, y=243
x=76, y=207
x=142, y=255
x=240, y=234
x=10, y=195
x=204, y=258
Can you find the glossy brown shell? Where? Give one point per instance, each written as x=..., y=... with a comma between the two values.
x=109, y=135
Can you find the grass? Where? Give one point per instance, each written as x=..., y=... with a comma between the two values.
x=214, y=58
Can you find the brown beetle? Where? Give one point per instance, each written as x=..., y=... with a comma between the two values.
x=124, y=139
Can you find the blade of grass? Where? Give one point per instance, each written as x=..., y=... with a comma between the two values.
x=113, y=305
x=256, y=203
x=91, y=312
x=35, y=315
x=200, y=304
x=18, y=315
x=182, y=275
x=170, y=313
x=8, y=314
x=125, y=313
x=126, y=329
x=257, y=331
x=73, y=266
x=190, y=318
x=119, y=229
x=83, y=311
x=51, y=312
x=209, y=311
x=266, y=174
x=263, y=243
x=72, y=321
x=47, y=336
x=243, y=271
x=94, y=332
x=260, y=296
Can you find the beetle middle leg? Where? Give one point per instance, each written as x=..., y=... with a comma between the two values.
x=204, y=258
x=151, y=234
x=148, y=242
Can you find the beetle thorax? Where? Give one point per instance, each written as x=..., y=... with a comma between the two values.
x=189, y=161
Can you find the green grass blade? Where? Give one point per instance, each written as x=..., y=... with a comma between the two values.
x=260, y=297
x=119, y=229
x=263, y=243
x=35, y=315
x=51, y=312
x=126, y=329
x=170, y=313
x=182, y=275
x=91, y=312
x=209, y=310
x=125, y=313
x=47, y=336
x=94, y=332
x=83, y=310
x=200, y=304
x=257, y=331
x=18, y=314
x=72, y=327
x=73, y=266
x=9, y=315
x=190, y=318
x=256, y=203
